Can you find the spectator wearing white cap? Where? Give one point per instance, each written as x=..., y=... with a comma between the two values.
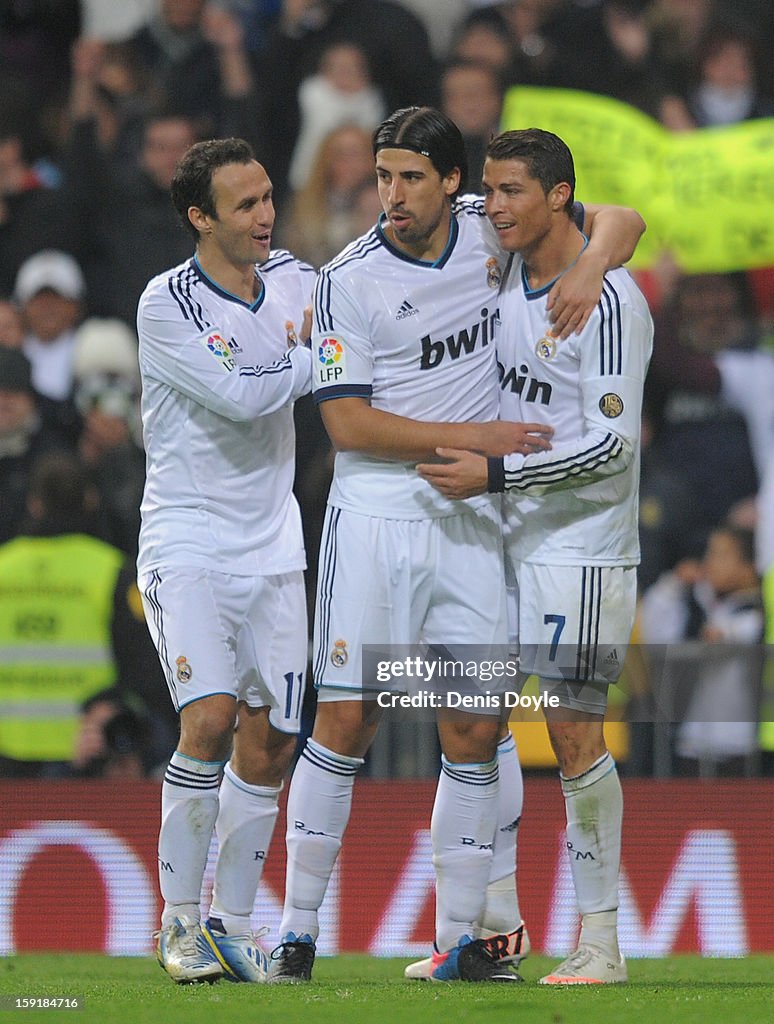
x=107, y=396
x=50, y=290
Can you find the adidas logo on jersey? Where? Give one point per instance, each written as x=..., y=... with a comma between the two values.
x=406, y=310
x=612, y=658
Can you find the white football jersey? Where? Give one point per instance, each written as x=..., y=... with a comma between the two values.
x=578, y=503
x=219, y=384
x=415, y=339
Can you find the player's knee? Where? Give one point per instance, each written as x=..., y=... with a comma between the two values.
x=345, y=727
x=471, y=740
x=281, y=752
x=264, y=763
x=207, y=729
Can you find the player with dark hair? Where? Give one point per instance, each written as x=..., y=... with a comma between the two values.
x=403, y=336
x=570, y=515
x=192, y=185
x=430, y=133
x=221, y=554
x=546, y=157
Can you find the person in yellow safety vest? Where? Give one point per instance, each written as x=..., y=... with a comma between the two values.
x=67, y=627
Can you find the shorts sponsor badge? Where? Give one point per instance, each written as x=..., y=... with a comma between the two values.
x=184, y=670
x=331, y=365
x=339, y=654
x=611, y=405
x=218, y=347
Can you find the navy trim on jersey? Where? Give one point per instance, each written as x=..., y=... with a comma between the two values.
x=588, y=623
x=326, y=576
x=343, y=391
x=610, y=331
x=151, y=596
x=536, y=293
x=171, y=282
x=603, y=451
x=179, y=286
x=443, y=259
x=358, y=250
x=190, y=283
x=280, y=258
x=471, y=205
x=215, y=287
x=280, y=366
x=598, y=617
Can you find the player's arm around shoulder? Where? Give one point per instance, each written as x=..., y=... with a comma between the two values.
x=613, y=233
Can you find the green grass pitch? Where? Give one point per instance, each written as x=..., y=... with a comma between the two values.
x=364, y=990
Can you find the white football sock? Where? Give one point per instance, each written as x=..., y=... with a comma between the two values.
x=501, y=910
x=189, y=807
x=244, y=829
x=319, y=803
x=462, y=833
x=594, y=805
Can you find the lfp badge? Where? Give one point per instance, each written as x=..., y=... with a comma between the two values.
x=218, y=347
x=330, y=360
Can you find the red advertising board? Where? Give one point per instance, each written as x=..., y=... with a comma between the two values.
x=78, y=869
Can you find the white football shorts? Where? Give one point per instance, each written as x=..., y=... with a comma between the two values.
x=571, y=625
x=241, y=635
x=437, y=583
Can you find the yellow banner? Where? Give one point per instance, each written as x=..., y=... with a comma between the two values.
x=707, y=195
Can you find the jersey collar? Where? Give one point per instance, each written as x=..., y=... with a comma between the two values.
x=253, y=306
x=535, y=293
x=443, y=259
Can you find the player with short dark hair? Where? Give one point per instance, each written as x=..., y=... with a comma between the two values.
x=192, y=185
x=221, y=553
x=570, y=515
x=546, y=157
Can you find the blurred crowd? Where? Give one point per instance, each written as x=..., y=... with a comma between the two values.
x=99, y=102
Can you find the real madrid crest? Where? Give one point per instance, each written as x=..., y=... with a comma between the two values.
x=339, y=654
x=184, y=670
x=493, y=275
x=545, y=348
x=611, y=405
